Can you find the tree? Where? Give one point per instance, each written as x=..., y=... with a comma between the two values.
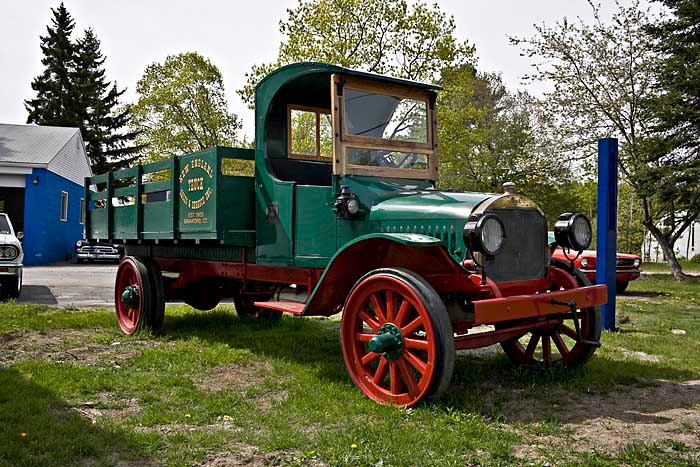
x=96, y=102
x=55, y=94
x=489, y=136
x=603, y=77
x=677, y=107
x=182, y=107
x=380, y=36
x=72, y=91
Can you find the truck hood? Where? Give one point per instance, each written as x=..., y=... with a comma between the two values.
x=8, y=239
x=427, y=205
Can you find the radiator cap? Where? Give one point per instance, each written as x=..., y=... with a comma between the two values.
x=509, y=188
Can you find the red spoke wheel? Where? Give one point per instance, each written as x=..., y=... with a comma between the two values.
x=245, y=307
x=397, y=339
x=132, y=295
x=559, y=345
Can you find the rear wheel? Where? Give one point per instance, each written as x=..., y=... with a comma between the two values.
x=133, y=295
x=559, y=345
x=245, y=307
x=157, y=313
x=397, y=340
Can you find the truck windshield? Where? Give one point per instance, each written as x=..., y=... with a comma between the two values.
x=386, y=117
x=4, y=225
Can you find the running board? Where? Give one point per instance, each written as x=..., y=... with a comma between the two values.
x=293, y=308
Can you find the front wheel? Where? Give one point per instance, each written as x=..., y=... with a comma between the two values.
x=12, y=286
x=621, y=286
x=397, y=339
x=559, y=345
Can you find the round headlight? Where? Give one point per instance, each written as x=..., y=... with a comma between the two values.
x=573, y=231
x=485, y=234
x=79, y=243
x=637, y=263
x=8, y=252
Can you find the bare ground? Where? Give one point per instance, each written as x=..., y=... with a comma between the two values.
x=651, y=412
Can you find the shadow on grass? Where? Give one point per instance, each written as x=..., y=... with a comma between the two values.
x=37, y=428
x=480, y=383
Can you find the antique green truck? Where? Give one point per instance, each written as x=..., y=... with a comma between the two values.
x=343, y=215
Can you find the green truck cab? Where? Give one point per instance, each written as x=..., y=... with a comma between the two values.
x=343, y=215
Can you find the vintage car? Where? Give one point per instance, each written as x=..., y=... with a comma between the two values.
x=343, y=215
x=11, y=257
x=628, y=266
x=87, y=251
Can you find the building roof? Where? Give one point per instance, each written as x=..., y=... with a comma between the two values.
x=58, y=149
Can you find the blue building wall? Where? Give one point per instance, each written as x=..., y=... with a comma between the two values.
x=47, y=238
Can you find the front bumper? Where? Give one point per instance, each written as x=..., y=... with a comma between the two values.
x=494, y=310
x=11, y=269
x=111, y=256
x=621, y=275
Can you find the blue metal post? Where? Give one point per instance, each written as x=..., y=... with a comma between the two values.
x=606, y=255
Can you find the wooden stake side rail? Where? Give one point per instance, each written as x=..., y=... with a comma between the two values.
x=186, y=197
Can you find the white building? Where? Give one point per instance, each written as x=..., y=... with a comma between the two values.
x=687, y=245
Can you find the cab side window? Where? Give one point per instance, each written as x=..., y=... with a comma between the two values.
x=310, y=134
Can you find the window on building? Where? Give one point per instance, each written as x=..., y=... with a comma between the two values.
x=64, y=206
x=82, y=210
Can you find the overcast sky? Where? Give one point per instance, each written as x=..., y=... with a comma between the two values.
x=234, y=35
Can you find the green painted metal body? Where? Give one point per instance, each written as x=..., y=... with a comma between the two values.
x=272, y=218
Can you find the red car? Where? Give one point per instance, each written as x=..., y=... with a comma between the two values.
x=628, y=266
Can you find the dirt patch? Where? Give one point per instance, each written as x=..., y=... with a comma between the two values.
x=608, y=422
x=67, y=345
x=252, y=374
x=250, y=456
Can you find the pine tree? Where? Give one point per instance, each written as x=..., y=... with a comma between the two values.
x=107, y=142
x=53, y=104
x=73, y=91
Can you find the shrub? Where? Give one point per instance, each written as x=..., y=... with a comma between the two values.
x=695, y=259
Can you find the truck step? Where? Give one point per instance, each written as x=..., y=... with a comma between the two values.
x=293, y=308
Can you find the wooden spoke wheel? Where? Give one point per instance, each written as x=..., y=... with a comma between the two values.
x=245, y=307
x=397, y=340
x=133, y=295
x=560, y=345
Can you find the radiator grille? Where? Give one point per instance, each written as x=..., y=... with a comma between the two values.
x=525, y=254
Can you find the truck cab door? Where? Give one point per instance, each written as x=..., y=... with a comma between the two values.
x=314, y=225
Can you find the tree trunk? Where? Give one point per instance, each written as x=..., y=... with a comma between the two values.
x=670, y=255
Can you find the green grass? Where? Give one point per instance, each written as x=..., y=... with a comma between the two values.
x=166, y=399
x=687, y=266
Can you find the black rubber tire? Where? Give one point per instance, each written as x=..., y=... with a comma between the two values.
x=441, y=325
x=154, y=321
x=596, y=326
x=14, y=286
x=621, y=286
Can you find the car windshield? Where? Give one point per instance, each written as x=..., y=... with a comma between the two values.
x=4, y=225
x=386, y=117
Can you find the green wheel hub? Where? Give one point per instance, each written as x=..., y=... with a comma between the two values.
x=130, y=296
x=388, y=341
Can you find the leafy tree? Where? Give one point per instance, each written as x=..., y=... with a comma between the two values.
x=603, y=76
x=182, y=107
x=55, y=94
x=381, y=36
x=489, y=136
x=96, y=102
x=72, y=91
